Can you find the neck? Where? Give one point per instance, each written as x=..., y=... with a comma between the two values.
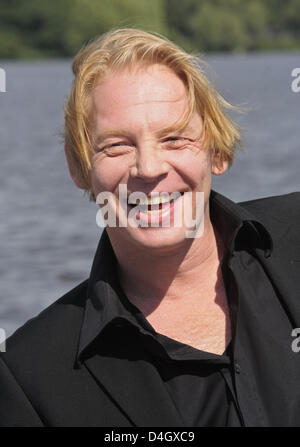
x=148, y=278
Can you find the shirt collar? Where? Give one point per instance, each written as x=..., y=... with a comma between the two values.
x=238, y=227
x=105, y=299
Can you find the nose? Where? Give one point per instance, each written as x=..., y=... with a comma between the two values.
x=149, y=165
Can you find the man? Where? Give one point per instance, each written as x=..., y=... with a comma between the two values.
x=169, y=329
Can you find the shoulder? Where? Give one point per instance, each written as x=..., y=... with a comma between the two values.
x=37, y=368
x=50, y=335
x=281, y=216
x=282, y=208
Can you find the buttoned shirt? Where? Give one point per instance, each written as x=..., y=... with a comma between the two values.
x=207, y=389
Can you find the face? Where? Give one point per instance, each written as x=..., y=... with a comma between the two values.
x=137, y=145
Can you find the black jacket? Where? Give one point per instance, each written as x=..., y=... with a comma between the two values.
x=42, y=382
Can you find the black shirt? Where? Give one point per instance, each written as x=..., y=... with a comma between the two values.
x=197, y=381
x=92, y=359
x=201, y=384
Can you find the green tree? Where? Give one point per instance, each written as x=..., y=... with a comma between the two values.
x=218, y=25
x=34, y=28
x=58, y=28
x=218, y=28
x=90, y=18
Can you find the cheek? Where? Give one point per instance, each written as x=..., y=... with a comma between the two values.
x=194, y=167
x=107, y=174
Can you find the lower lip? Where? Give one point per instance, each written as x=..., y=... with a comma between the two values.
x=163, y=217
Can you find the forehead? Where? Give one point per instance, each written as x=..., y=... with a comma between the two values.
x=140, y=93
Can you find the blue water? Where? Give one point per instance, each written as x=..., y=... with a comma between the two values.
x=48, y=228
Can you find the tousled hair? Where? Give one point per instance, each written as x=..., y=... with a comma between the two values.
x=129, y=48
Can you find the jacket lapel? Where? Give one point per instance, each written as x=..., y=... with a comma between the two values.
x=136, y=387
x=283, y=268
x=117, y=359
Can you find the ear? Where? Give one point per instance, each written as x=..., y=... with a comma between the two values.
x=75, y=175
x=219, y=167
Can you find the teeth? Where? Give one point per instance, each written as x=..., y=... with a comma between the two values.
x=155, y=199
x=152, y=211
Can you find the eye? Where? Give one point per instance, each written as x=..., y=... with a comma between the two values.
x=113, y=145
x=173, y=138
x=116, y=144
x=175, y=141
x=115, y=148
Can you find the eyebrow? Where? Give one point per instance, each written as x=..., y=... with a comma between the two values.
x=173, y=129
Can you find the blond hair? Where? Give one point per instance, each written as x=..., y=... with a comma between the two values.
x=127, y=47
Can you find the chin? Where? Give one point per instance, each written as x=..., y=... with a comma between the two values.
x=158, y=238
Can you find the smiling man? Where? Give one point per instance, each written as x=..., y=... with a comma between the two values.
x=136, y=110
x=168, y=330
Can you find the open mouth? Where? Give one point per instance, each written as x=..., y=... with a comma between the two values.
x=158, y=202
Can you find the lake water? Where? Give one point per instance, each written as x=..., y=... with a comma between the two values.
x=48, y=232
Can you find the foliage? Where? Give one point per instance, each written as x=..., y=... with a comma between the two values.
x=58, y=28
x=235, y=25
x=61, y=27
